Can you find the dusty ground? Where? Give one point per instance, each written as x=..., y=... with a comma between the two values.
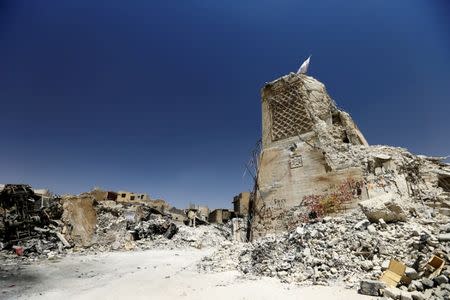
x=152, y=274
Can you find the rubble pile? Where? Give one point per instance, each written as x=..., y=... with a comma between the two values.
x=208, y=236
x=111, y=231
x=26, y=226
x=342, y=249
x=125, y=226
x=46, y=243
x=82, y=224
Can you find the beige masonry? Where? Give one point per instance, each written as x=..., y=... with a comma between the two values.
x=301, y=128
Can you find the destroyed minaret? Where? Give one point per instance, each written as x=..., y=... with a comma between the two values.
x=313, y=150
x=305, y=138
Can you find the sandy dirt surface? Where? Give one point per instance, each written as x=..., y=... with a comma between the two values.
x=152, y=274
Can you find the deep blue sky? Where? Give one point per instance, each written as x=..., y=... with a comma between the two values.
x=163, y=96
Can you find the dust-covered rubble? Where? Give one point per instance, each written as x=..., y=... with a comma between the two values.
x=340, y=250
x=87, y=226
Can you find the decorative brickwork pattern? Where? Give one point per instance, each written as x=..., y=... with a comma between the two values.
x=289, y=115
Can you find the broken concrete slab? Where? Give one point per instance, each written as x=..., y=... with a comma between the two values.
x=386, y=207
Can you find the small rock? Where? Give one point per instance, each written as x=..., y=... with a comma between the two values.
x=307, y=252
x=411, y=287
x=411, y=273
x=385, y=265
x=432, y=242
x=300, y=230
x=441, y=279
x=445, y=228
x=371, y=287
x=427, y=283
x=446, y=286
x=444, y=237
x=362, y=224
x=406, y=296
x=390, y=292
x=417, y=295
x=371, y=229
x=417, y=284
x=285, y=266
x=335, y=255
x=382, y=223
x=427, y=294
x=378, y=171
x=309, y=271
x=366, y=265
x=440, y=293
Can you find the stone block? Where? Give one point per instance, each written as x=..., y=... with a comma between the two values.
x=371, y=287
x=384, y=207
x=441, y=279
x=444, y=237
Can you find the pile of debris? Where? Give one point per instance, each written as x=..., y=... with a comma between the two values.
x=142, y=227
x=83, y=224
x=343, y=249
x=26, y=225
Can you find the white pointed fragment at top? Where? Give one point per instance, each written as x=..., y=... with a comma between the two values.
x=304, y=67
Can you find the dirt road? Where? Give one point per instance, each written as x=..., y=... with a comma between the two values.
x=153, y=274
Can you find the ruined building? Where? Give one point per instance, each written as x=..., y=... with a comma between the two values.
x=219, y=216
x=310, y=148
